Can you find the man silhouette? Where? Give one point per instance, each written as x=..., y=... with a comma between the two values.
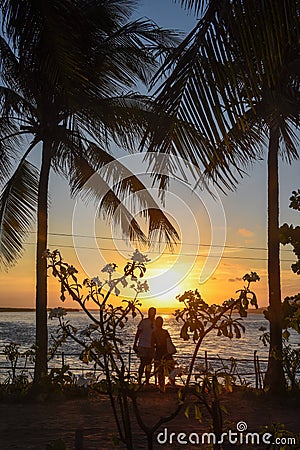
x=143, y=345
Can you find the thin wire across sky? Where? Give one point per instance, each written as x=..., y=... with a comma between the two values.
x=165, y=252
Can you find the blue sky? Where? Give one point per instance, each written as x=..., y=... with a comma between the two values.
x=167, y=14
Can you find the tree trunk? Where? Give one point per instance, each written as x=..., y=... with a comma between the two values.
x=40, y=369
x=274, y=379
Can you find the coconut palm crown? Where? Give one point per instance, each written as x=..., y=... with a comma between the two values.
x=236, y=78
x=68, y=70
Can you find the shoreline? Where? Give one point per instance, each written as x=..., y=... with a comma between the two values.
x=4, y=309
x=162, y=311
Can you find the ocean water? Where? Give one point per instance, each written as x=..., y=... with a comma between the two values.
x=19, y=327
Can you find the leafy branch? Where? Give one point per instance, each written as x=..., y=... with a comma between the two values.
x=200, y=318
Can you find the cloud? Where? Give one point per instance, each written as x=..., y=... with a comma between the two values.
x=232, y=280
x=246, y=233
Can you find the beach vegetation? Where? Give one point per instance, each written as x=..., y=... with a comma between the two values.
x=207, y=393
x=235, y=78
x=68, y=75
x=18, y=381
x=198, y=319
x=290, y=234
x=101, y=341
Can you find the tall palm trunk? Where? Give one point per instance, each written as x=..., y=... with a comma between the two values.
x=41, y=268
x=274, y=379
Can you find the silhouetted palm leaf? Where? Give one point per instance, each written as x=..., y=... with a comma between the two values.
x=18, y=204
x=236, y=78
x=221, y=70
x=66, y=61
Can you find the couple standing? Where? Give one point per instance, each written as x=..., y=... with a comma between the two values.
x=152, y=340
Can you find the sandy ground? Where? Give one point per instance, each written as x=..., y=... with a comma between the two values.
x=35, y=425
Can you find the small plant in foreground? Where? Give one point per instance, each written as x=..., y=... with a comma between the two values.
x=18, y=374
x=101, y=340
x=207, y=391
x=198, y=320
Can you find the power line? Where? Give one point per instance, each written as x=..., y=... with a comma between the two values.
x=169, y=253
x=161, y=242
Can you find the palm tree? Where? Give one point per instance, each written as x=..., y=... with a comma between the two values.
x=236, y=78
x=66, y=70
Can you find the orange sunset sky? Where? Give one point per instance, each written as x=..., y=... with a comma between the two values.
x=168, y=273
x=236, y=223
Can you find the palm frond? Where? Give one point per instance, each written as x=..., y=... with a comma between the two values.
x=160, y=229
x=132, y=192
x=108, y=16
x=40, y=33
x=13, y=104
x=84, y=45
x=86, y=181
x=78, y=163
x=290, y=140
x=10, y=143
x=242, y=147
x=197, y=154
x=125, y=58
x=9, y=66
x=237, y=52
x=20, y=20
x=18, y=203
x=114, y=211
x=98, y=176
x=119, y=119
